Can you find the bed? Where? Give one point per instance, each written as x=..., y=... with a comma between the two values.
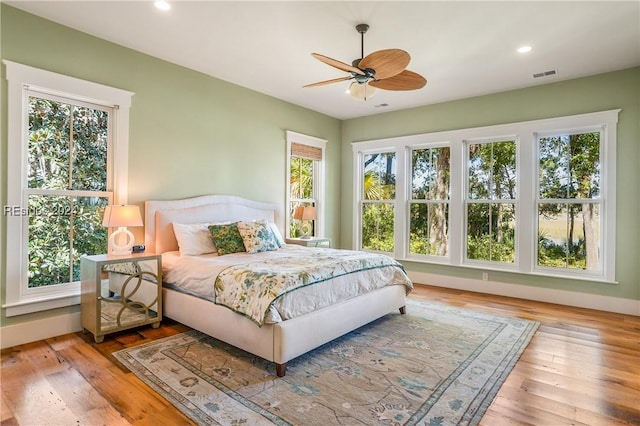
x=276, y=339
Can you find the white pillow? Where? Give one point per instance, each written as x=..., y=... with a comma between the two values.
x=194, y=239
x=277, y=234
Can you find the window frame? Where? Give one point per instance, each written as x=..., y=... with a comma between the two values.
x=22, y=80
x=527, y=175
x=482, y=263
x=599, y=201
x=318, y=192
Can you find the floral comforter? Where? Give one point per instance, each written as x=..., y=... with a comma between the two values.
x=251, y=288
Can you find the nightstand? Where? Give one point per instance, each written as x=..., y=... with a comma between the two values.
x=310, y=242
x=120, y=292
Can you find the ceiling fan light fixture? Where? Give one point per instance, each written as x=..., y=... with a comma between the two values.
x=361, y=91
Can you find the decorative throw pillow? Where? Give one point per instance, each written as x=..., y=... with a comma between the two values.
x=226, y=238
x=194, y=239
x=257, y=236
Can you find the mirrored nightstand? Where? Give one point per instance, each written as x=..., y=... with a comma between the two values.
x=120, y=292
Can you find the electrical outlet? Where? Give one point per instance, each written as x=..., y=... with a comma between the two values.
x=485, y=276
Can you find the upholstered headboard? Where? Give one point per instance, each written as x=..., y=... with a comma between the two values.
x=160, y=215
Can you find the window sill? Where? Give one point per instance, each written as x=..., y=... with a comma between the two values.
x=41, y=304
x=485, y=268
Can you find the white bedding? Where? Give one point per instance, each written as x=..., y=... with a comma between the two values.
x=197, y=275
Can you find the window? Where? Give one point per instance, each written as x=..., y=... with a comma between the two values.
x=64, y=132
x=491, y=201
x=429, y=204
x=534, y=197
x=569, y=202
x=378, y=200
x=305, y=181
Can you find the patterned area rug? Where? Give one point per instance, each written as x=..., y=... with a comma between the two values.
x=437, y=365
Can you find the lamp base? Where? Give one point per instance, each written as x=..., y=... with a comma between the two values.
x=305, y=228
x=116, y=247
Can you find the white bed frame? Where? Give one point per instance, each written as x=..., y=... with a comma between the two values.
x=280, y=342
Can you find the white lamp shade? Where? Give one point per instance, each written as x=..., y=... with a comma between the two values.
x=305, y=213
x=116, y=216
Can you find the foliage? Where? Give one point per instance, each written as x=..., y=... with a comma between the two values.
x=301, y=188
x=377, y=230
x=67, y=152
x=378, y=217
x=570, y=170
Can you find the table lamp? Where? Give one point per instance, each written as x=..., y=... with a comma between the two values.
x=304, y=215
x=121, y=216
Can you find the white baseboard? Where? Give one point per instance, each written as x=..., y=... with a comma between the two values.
x=31, y=331
x=549, y=295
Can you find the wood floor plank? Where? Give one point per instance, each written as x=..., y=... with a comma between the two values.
x=581, y=368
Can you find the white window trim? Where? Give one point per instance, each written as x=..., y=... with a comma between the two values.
x=526, y=166
x=21, y=78
x=318, y=180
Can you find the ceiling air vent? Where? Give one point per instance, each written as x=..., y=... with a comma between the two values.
x=545, y=74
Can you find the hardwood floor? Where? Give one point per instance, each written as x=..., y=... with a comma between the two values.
x=581, y=368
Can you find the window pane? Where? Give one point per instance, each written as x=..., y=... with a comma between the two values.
x=584, y=164
x=89, y=236
x=49, y=240
x=380, y=176
x=49, y=151
x=570, y=166
x=428, y=229
x=504, y=171
x=430, y=174
x=492, y=171
x=569, y=236
x=491, y=232
x=55, y=248
x=301, y=178
x=377, y=227
x=90, y=138
x=479, y=171
x=53, y=147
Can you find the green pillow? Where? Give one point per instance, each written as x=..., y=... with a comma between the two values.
x=227, y=238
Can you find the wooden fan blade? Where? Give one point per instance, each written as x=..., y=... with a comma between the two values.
x=386, y=63
x=322, y=83
x=406, y=80
x=337, y=64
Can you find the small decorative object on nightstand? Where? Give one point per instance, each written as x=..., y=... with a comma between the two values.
x=310, y=242
x=120, y=292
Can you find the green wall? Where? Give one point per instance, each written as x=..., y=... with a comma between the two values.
x=613, y=90
x=190, y=134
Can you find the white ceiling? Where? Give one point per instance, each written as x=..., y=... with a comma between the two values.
x=464, y=49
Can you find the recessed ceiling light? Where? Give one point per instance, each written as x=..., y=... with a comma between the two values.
x=162, y=4
x=524, y=49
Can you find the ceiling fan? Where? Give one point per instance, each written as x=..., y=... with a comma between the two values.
x=383, y=69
